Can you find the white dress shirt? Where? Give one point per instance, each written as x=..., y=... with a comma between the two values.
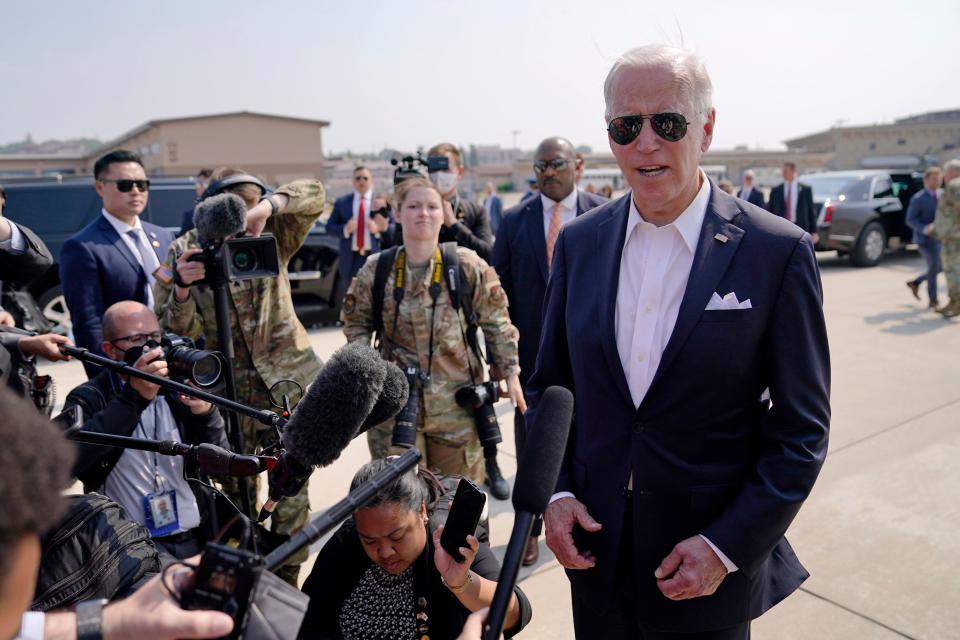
x=15, y=244
x=367, y=200
x=568, y=210
x=122, y=229
x=654, y=268
x=790, y=188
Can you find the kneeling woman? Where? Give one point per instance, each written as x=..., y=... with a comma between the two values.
x=383, y=574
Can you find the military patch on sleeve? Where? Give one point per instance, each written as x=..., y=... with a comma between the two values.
x=349, y=304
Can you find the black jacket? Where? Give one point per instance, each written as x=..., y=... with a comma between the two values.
x=112, y=407
x=24, y=268
x=806, y=211
x=342, y=562
x=472, y=229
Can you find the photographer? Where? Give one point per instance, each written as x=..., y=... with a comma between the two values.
x=140, y=481
x=269, y=342
x=426, y=334
x=464, y=221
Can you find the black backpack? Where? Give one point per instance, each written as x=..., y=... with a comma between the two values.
x=96, y=551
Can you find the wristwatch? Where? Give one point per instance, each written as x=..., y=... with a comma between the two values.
x=89, y=619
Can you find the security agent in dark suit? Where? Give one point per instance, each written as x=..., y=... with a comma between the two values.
x=521, y=255
x=494, y=206
x=668, y=313
x=114, y=257
x=793, y=200
x=749, y=192
x=464, y=222
x=920, y=214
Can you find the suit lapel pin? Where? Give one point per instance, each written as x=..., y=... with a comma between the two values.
x=722, y=238
x=153, y=234
x=156, y=244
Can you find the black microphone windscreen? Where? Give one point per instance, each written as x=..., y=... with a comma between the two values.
x=539, y=465
x=335, y=406
x=220, y=216
x=391, y=400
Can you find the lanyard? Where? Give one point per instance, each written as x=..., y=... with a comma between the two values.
x=399, y=280
x=157, y=478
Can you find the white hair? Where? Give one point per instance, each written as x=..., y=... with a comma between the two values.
x=749, y=174
x=683, y=64
x=952, y=166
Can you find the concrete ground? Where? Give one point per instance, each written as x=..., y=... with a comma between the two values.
x=879, y=534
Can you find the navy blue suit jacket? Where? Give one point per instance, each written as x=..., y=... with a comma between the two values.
x=495, y=213
x=520, y=258
x=97, y=269
x=756, y=197
x=341, y=215
x=707, y=456
x=920, y=212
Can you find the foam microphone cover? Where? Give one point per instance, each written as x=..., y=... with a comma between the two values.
x=391, y=399
x=539, y=466
x=336, y=405
x=220, y=216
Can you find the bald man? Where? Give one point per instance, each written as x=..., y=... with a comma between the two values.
x=150, y=486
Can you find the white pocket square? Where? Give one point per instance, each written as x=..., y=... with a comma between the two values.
x=728, y=302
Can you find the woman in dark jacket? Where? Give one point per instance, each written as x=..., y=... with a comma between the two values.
x=384, y=575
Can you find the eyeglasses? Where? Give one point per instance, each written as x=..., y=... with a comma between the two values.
x=559, y=164
x=669, y=126
x=138, y=339
x=364, y=178
x=124, y=186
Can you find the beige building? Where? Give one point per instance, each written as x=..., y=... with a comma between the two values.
x=276, y=148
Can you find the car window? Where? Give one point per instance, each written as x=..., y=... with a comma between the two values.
x=167, y=204
x=840, y=188
x=53, y=211
x=883, y=188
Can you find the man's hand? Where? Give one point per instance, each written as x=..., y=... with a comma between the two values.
x=691, y=570
x=151, y=613
x=473, y=627
x=46, y=346
x=6, y=319
x=378, y=223
x=515, y=392
x=150, y=362
x=815, y=237
x=350, y=227
x=560, y=518
x=448, y=218
x=197, y=406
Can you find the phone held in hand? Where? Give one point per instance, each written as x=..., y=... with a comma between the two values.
x=463, y=518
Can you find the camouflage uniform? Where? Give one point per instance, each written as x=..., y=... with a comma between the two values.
x=946, y=226
x=269, y=342
x=446, y=432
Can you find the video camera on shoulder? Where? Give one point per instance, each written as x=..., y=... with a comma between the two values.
x=413, y=166
x=185, y=361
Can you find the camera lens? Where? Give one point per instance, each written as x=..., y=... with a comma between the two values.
x=206, y=370
x=244, y=260
x=405, y=424
x=488, y=429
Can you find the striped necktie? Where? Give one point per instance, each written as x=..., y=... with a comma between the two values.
x=552, y=233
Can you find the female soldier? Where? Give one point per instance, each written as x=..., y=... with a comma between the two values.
x=422, y=330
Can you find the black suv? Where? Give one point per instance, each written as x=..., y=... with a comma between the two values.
x=860, y=212
x=57, y=209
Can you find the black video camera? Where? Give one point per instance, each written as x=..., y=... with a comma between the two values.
x=239, y=259
x=412, y=166
x=405, y=424
x=481, y=398
x=185, y=361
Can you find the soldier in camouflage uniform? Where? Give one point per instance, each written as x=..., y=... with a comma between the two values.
x=270, y=343
x=446, y=432
x=946, y=226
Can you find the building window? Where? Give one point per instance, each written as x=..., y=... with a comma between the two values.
x=172, y=151
x=873, y=146
x=155, y=149
x=902, y=142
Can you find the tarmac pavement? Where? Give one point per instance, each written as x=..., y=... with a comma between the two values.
x=879, y=533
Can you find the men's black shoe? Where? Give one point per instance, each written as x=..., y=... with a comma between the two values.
x=498, y=485
x=914, y=288
x=934, y=305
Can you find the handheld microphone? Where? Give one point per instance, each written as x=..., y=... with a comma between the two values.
x=536, y=480
x=335, y=409
x=219, y=216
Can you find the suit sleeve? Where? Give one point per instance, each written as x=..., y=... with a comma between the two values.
x=33, y=262
x=80, y=281
x=501, y=260
x=792, y=438
x=476, y=235
x=553, y=357
x=337, y=220
x=913, y=215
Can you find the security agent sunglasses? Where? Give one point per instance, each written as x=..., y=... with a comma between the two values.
x=559, y=164
x=669, y=126
x=125, y=186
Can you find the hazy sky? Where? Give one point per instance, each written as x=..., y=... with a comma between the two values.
x=404, y=74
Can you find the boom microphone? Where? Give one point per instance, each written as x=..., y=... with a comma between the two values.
x=219, y=216
x=537, y=472
x=335, y=409
x=392, y=397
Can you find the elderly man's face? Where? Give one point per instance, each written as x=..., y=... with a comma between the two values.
x=663, y=175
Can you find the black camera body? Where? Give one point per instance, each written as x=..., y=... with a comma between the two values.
x=184, y=360
x=481, y=398
x=412, y=166
x=405, y=424
x=225, y=581
x=239, y=259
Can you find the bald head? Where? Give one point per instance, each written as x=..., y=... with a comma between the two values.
x=555, y=183
x=127, y=318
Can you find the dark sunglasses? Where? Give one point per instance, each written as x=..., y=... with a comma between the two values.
x=125, y=186
x=361, y=178
x=557, y=165
x=669, y=126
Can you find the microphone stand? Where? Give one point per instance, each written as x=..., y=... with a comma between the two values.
x=522, y=526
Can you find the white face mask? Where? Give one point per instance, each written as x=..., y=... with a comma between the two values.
x=445, y=181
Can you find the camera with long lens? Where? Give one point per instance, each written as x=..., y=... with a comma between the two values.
x=184, y=360
x=413, y=166
x=405, y=424
x=480, y=398
x=239, y=259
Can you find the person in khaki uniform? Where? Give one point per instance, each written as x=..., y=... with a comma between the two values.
x=446, y=432
x=946, y=227
x=269, y=342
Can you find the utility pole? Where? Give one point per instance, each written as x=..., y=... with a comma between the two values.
x=515, y=132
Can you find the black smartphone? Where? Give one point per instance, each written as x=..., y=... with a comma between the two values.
x=70, y=420
x=463, y=518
